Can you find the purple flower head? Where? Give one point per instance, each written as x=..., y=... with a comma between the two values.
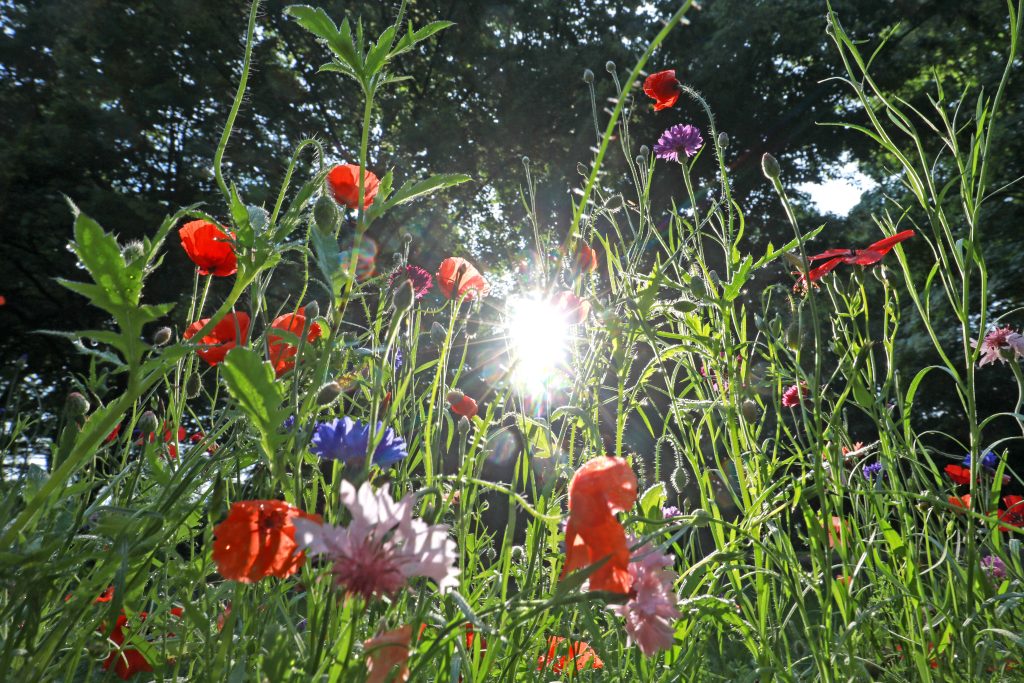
x=677, y=140
x=994, y=566
x=420, y=279
x=990, y=461
x=288, y=423
x=347, y=440
x=873, y=471
x=1001, y=344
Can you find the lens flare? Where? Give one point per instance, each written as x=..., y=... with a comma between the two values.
x=538, y=339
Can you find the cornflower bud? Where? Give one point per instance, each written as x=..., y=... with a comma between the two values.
x=325, y=214
x=328, y=393
x=76, y=404
x=588, y=76
x=770, y=166
x=162, y=336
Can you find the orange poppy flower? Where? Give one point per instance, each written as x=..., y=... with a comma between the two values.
x=457, y=277
x=577, y=655
x=343, y=181
x=128, y=661
x=282, y=354
x=600, y=488
x=258, y=539
x=228, y=333
x=209, y=247
x=663, y=88
x=586, y=259
x=387, y=656
x=464, y=406
x=961, y=501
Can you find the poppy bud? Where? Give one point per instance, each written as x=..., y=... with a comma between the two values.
x=328, y=393
x=680, y=478
x=312, y=310
x=770, y=166
x=162, y=336
x=526, y=160
x=259, y=219
x=588, y=76
x=640, y=159
x=407, y=238
x=750, y=410
x=325, y=214
x=723, y=140
x=793, y=336
x=403, y=298
x=701, y=517
x=133, y=251
x=645, y=151
x=193, y=385
x=713, y=276
x=438, y=334
x=609, y=66
x=455, y=396
x=76, y=404
x=463, y=426
x=697, y=286
x=147, y=423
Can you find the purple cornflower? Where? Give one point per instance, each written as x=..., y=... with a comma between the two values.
x=670, y=511
x=994, y=566
x=347, y=440
x=420, y=279
x=678, y=139
x=873, y=471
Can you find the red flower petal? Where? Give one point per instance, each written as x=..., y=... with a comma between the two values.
x=209, y=247
x=663, y=88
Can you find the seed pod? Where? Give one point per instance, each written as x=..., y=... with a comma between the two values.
x=770, y=166
x=588, y=76
x=193, y=385
x=76, y=404
x=438, y=333
x=162, y=336
x=148, y=423
x=328, y=393
x=325, y=214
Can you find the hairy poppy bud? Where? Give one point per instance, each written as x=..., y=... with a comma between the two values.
x=770, y=166
x=640, y=159
x=438, y=334
x=750, y=410
x=723, y=140
x=193, y=385
x=526, y=160
x=328, y=393
x=645, y=151
x=162, y=336
x=680, y=478
x=148, y=423
x=713, y=276
x=588, y=76
x=407, y=238
x=609, y=66
x=455, y=396
x=325, y=214
x=133, y=251
x=793, y=336
x=697, y=286
x=76, y=404
x=463, y=426
x=312, y=310
x=259, y=219
x=404, y=297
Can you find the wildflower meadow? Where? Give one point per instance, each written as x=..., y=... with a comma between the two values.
x=385, y=469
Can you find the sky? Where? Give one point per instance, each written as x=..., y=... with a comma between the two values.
x=841, y=192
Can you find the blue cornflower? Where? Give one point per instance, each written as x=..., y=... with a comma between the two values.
x=678, y=140
x=990, y=461
x=288, y=423
x=873, y=471
x=347, y=440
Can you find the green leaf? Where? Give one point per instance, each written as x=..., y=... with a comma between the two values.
x=732, y=290
x=411, y=37
x=339, y=40
x=101, y=255
x=653, y=499
x=412, y=190
x=251, y=383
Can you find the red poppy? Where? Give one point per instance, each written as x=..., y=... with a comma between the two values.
x=457, y=277
x=1013, y=514
x=586, y=259
x=835, y=532
x=112, y=436
x=258, y=539
x=571, y=307
x=600, y=488
x=859, y=257
x=343, y=181
x=465, y=406
x=282, y=353
x=663, y=88
x=209, y=247
x=3, y=300
x=575, y=654
x=228, y=333
x=958, y=474
x=961, y=501
x=128, y=662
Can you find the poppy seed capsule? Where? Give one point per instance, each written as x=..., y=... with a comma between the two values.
x=325, y=214
x=770, y=166
x=588, y=76
x=328, y=393
x=162, y=336
x=76, y=404
x=148, y=422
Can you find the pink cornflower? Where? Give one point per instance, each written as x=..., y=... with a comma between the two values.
x=1001, y=344
x=383, y=546
x=652, y=606
x=792, y=396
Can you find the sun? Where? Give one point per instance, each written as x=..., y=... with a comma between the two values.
x=538, y=339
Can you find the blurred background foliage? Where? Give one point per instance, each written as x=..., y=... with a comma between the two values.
x=118, y=106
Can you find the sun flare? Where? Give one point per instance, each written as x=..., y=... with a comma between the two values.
x=538, y=339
